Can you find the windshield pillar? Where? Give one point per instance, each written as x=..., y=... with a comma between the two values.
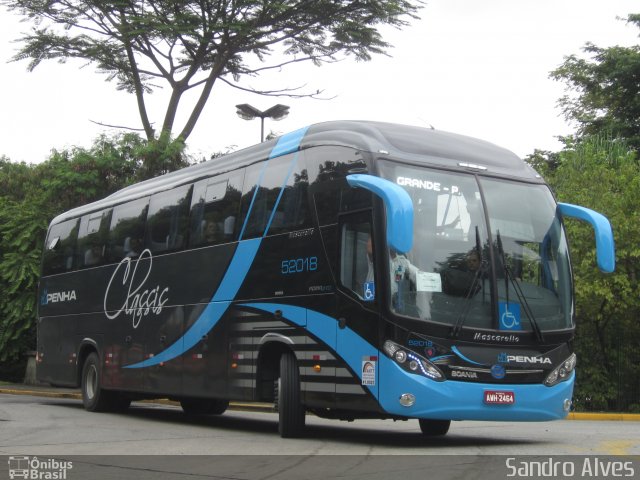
x=492, y=259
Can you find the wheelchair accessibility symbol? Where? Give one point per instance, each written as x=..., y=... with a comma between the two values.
x=509, y=316
x=369, y=291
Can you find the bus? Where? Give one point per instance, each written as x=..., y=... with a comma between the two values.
x=347, y=269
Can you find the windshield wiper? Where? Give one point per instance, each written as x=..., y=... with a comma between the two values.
x=508, y=277
x=482, y=268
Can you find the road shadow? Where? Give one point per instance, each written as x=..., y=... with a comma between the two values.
x=336, y=432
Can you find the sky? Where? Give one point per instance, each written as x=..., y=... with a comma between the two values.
x=474, y=67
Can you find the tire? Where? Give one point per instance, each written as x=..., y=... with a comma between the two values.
x=94, y=397
x=291, y=412
x=434, y=428
x=203, y=406
x=218, y=407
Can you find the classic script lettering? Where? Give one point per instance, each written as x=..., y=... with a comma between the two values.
x=139, y=301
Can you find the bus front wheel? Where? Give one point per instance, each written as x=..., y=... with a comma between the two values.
x=94, y=397
x=291, y=412
x=434, y=428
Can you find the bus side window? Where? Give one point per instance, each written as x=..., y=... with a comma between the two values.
x=292, y=212
x=92, y=238
x=168, y=220
x=60, y=247
x=356, y=259
x=283, y=180
x=126, y=234
x=327, y=167
x=215, y=207
x=259, y=194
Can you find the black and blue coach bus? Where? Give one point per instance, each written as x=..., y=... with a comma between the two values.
x=348, y=269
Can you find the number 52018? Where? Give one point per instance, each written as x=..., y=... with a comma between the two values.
x=299, y=265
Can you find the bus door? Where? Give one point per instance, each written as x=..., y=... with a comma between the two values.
x=357, y=313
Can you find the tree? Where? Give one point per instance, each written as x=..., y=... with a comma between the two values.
x=185, y=45
x=608, y=90
x=607, y=306
x=22, y=228
x=30, y=196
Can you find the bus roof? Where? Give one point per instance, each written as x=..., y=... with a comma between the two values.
x=401, y=142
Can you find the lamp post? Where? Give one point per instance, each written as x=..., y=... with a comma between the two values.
x=248, y=112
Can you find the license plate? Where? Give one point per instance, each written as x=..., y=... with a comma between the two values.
x=499, y=397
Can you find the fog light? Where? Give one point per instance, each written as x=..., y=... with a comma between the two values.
x=407, y=399
x=413, y=365
x=566, y=405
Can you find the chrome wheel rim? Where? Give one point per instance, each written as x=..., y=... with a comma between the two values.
x=91, y=384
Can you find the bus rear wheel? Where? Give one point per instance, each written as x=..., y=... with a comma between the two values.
x=434, y=428
x=203, y=406
x=291, y=412
x=94, y=397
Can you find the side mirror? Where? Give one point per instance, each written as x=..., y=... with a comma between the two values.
x=605, y=247
x=398, y=205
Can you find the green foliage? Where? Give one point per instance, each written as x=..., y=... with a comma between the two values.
x=607, y=90
x=602, y=173
x=598, y=169
x=31, y=195
x=143, y=44
x=21, y=236
x=158, y=157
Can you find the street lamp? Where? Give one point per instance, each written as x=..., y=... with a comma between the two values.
x=248, y=112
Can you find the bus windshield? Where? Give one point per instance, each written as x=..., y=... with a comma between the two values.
x=469, y=232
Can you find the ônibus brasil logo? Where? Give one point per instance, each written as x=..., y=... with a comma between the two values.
x=35, y=468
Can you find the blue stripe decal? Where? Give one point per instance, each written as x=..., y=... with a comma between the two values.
x=455, y=350
x=324, y=328
x=253, y=199
x=288, y=143
x=433, y=359
x=286, y=180
x=233, y=278
x=436, y=400
x=235, y=275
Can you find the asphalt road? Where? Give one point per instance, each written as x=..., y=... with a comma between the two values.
x=61, y=428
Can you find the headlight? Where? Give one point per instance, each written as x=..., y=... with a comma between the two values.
x=400, y=356
x=415, y=364
x=562, y=372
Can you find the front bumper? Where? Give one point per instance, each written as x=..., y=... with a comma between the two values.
x=455, y=400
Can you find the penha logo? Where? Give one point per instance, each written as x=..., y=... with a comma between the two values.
x=505, y=358
x=56, y=297
x=138, y=301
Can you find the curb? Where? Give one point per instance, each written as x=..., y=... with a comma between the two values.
x=268, y=408
x=238, y=406
x=633, y=417
x=41, y=393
